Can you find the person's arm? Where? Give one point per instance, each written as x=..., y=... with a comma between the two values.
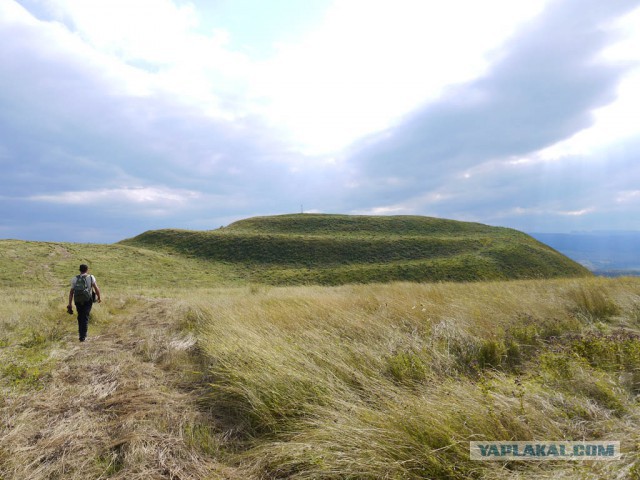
x=70, y=298
x=95, y=287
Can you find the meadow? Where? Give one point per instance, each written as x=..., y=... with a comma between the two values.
x=309, y=382
x=294, y=347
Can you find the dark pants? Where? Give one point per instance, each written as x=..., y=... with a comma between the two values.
x=83, y=318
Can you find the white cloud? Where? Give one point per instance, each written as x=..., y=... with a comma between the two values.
x=576, y=213
x=628, y=196
x=612, y=124
x=373, y=62
x=149, y=30
x=121, y=93
x=154, y=47
x=384, y=210
x=159, y=199
x=544, y=211
x=363, y=69
x=619, y=120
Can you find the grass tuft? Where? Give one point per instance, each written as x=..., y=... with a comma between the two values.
x=593, y=303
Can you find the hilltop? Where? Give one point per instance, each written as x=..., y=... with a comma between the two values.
x=338, y=249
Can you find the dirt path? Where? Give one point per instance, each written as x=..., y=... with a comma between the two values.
x=121, y=405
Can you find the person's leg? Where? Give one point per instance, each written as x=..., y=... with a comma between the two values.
x=83, y=319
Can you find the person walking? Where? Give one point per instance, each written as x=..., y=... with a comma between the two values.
x=84, y=291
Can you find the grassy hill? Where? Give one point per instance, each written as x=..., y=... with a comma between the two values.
x=338, y=249
x=52, y=264
x=294, y=250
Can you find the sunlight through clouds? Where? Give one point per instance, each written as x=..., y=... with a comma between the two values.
x=370, y=63
x=522, y=114
x=160, y=41
x=154, y=31
x=620, y=119
x=361, y=70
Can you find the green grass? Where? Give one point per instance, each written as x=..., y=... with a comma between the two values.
x=44, y=264
x=359, y=225
x=293, y=250
x=338, y=249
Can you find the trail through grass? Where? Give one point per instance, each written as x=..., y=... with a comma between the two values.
x=122, y=405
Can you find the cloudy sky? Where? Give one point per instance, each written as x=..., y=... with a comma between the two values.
x=119, y=116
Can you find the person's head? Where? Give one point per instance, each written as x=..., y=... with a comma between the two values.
x=84, y=268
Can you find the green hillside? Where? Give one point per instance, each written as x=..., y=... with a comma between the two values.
x=49, y=264
x=337, y=249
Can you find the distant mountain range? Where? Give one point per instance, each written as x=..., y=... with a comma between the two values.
x=604, y=253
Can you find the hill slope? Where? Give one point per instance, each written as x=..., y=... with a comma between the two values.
x=337, y=249
x=52, y=264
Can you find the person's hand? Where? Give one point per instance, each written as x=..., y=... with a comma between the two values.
x=69, y=310
x=99, y=300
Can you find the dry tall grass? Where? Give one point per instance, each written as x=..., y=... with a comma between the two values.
x=393, y=381
x=359, y=382
x=121, y=405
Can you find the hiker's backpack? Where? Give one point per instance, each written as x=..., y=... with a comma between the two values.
x=82, y=290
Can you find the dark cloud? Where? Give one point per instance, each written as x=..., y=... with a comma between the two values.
x=571, y=193
x=543, y=89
